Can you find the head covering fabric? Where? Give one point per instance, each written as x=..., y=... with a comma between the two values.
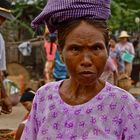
x=58, y=11
x=5, y=6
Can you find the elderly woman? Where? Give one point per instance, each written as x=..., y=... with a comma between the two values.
x=82, y=107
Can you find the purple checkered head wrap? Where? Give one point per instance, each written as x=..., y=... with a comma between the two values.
x=58, y=11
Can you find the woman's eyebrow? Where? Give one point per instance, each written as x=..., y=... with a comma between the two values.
x=75, y=45
x=97, y=43
x=90, y=45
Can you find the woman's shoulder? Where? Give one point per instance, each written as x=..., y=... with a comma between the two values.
x=115, y=89
x=46, y=95
x=119, y=94
x=121, y=100
x=129, y=44
x=49, y=88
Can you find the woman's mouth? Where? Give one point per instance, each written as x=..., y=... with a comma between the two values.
x=88, y=74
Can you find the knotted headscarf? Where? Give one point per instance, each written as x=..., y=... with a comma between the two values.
x=58, y=11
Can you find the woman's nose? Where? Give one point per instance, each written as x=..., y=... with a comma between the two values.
x=86, y=60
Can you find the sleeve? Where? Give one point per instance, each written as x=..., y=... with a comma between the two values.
x=132, y=50
x=31, y=127
x=132, y=124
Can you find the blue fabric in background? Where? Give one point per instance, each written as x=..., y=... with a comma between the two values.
x=60, y=70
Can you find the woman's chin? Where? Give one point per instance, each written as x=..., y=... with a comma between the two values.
x=87, y=81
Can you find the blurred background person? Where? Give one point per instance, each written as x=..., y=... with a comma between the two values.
x=60, y=70
x=50, y=49
x=127, y=51
x=5, y=13
x=110, y=73
x=136, y=63
x=55, y=69
x=26, y=100
x=115, y=54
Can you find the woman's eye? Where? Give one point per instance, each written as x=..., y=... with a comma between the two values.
x=97, y=47
x=75, y=49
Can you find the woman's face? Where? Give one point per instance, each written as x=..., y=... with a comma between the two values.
x=85, y=53
x=123, y=39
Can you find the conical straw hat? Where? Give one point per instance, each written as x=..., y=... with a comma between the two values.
x=5, y=6
x=124, y=34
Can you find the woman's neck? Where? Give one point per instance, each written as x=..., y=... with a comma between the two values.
x=73, y=93
x=123, y=42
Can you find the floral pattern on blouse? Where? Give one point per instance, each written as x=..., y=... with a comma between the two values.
x=113, y=114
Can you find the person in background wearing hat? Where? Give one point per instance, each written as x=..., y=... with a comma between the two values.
x=5, y=13
x=124, y=46
x=82, y=107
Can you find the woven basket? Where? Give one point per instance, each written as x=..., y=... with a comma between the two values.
x=4, y=134
x=124, y=82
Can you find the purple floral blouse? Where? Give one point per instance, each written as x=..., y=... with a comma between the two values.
x=113, y=114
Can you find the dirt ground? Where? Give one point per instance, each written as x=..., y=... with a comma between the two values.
x=11, y=121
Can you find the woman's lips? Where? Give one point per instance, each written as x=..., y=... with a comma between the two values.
x=87, y=74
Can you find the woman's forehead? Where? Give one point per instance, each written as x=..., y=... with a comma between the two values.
x=85, y=32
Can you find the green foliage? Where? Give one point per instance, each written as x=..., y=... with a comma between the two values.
x=25, y=12
x=124, y=14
